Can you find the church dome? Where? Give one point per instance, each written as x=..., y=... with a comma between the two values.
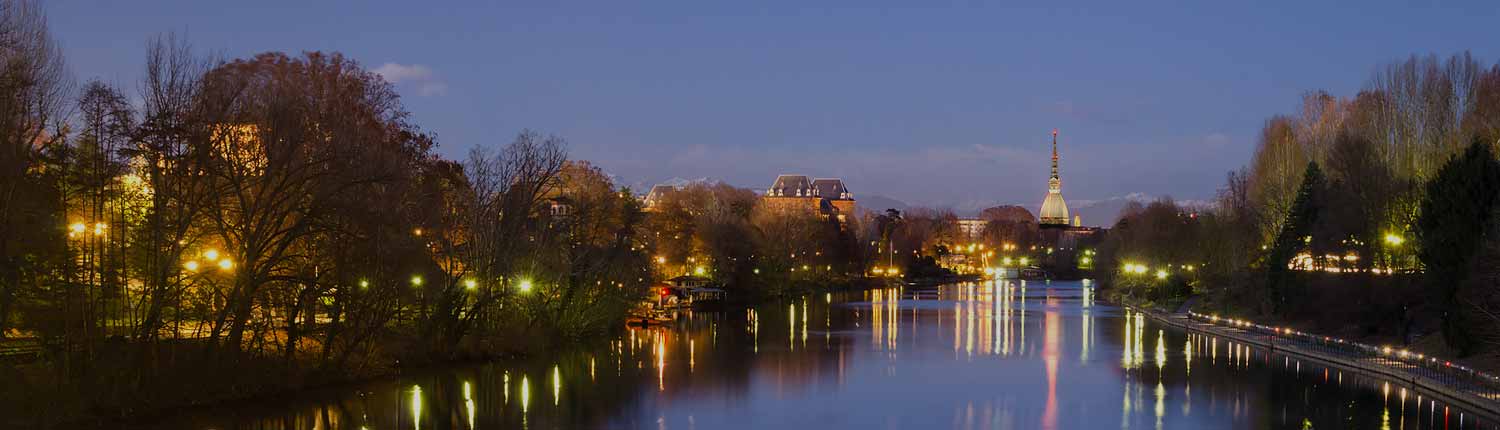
x=1054, y=209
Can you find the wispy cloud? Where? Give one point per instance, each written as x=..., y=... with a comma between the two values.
x=417, y=76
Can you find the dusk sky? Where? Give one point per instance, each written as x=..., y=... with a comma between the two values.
x=937, y=106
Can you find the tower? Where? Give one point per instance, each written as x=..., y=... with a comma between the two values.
x=1054, y=209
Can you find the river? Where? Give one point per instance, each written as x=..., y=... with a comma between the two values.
x=1016, y=355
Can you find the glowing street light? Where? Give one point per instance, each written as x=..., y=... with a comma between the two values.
x=190, y=265
x=211, y=255
x=470, y=284
x=416, y=281
x=525, y=285
x=364, y=283
x=226, y=264
x=77, y=227
x=698, y=271
x=1161, y=274
x=1393, y=240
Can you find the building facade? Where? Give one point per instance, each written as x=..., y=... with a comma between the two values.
x=825, y=196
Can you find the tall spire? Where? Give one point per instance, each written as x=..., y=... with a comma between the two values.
x=1054, y=209
x=1055, y=182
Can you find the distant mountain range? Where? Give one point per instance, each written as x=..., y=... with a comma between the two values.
x=643, y=187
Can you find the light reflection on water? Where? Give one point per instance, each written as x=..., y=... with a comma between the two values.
x=974, y=356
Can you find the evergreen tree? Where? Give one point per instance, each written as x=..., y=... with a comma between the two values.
x=1294, y=236
x=1451, y=226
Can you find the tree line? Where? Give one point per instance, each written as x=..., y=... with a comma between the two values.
x=1389, y=191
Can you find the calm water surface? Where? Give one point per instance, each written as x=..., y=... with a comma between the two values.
x=979, y=356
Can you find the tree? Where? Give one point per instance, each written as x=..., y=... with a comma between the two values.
x=174, y=196
x=1453, y=222
x=34, y=89
x=287, y=136
x=1295, y=234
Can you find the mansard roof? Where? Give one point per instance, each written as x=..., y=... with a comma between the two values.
x=831, y=188
x=791, y=186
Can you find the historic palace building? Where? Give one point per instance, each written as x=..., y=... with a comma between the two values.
x=825, y=196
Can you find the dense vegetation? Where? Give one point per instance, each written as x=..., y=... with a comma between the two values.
x=264, y=223
x=1369, y=216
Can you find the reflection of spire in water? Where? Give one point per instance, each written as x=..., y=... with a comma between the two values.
x=1050, y=355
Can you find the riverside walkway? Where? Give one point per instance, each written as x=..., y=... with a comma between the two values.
x=1452, y=382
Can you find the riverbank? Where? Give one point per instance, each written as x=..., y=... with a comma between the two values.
x=1475, y=390
x=34, y=399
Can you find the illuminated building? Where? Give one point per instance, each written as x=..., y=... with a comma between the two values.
x=824, y=196
x=1054, y=209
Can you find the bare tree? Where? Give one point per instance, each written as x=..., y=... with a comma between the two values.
x=34, y=89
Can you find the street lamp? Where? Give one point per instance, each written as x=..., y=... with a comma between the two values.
x=1393, y=239
x=525, y=285
x=416, y=281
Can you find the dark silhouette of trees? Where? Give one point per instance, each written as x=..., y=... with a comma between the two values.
x=1295, y=237
x=1455, y=217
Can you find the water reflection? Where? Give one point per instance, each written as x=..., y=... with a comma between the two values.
x=987, y=355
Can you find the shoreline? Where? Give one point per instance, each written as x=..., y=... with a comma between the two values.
x=1488, y=409
x=145, y=418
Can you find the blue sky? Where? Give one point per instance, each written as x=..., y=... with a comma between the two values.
x=938, y=104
